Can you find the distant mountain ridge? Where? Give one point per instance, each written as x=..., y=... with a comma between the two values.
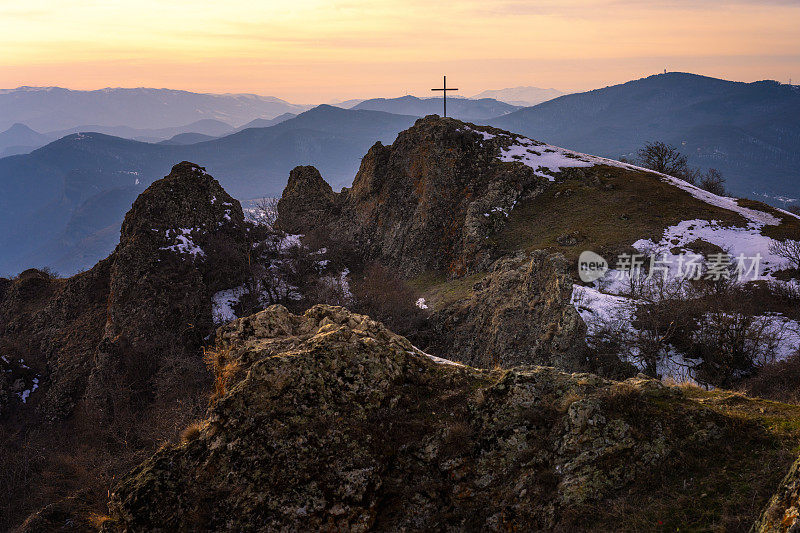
x=70, y=173
x=749, y=131
x=266, y=122
x=20, y=139
x=56, y=108
x=460, y=108
x=521, y=96
x=206, y=126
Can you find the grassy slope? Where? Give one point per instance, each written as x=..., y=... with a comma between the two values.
x=608, y=208
x=713, y=489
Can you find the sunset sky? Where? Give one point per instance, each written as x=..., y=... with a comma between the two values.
x=309, y=51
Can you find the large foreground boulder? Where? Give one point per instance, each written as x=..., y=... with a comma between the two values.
x=329, y=421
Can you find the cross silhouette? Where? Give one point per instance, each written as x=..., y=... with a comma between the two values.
x=444, y=90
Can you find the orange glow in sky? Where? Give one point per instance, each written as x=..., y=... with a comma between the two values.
x=310, y=51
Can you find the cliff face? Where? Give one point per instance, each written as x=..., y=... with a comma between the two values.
x=427, y=202
x=520, y=314
x=328, y=420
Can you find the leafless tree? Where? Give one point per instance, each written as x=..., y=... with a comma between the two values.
x=708, y=331
x=692, y=175
x=663, y=158
x=666, y=159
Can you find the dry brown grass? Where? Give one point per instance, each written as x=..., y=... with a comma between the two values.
x=97, y=520
x=193, y=431
x=222, y=368
x=612, y=211
x=778, y=381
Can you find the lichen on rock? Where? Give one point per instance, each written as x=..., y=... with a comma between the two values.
x=328, y=420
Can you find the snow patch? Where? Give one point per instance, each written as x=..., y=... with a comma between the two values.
x=289, y=241
x=485, y=134
x=223, y=302
x=26, y=393
x=600, y=310
x=546, y=159
x=183, y=242
x=724, y=202
x=435, y=359
x=739, y=242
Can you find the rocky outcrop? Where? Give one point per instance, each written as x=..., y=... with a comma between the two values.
x=183, y=240
x=782, y=514
x=519, y=313
x=307, y=202
x=329, y=421
x=432, y=202
x=54, y=326
x=428, y=202
x=98, y=368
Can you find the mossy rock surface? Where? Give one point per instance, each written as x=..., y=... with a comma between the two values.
x=330, y=421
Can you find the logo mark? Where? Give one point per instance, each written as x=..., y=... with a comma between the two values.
x=591, y=266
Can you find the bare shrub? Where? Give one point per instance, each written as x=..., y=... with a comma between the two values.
x=265, y=212
x=713, y=182
x=222, y=369
x=332, y=289
x=383, y=295
x=192, y=431
x=732, y=345
x=666, y=159
x=788, y=249
x=692, y=175
x=711, y=331
x=778, y=381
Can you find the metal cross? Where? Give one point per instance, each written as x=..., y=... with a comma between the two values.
x=444, y=90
